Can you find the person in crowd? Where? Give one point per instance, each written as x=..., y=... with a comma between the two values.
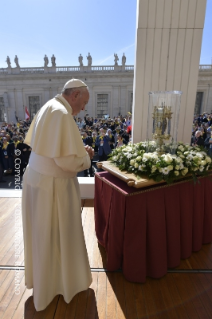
x=210, y=146
x=25, y=152
x=94, y=135
x=56, y=260
x=205, y=118
x=103, y=144
x=120, y=141
x=80, y=123
x=128, y=120
x=88, y=121
x=88, y=140
x=200, y=119
x=198, y=139
x=1, y=166
x=22, y=154
x=111, y=139
x=11, y=154
x=4, y=155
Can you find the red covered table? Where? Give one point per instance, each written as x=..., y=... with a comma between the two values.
x=147, y=231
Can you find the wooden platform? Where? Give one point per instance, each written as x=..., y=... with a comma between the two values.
x=185, y=292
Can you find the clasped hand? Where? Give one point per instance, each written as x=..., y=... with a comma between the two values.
x=90, y=151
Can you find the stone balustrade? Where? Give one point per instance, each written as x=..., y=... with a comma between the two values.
x=64, y=69
x=205, y=67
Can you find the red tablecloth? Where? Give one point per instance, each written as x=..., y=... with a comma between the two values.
x=146, y=231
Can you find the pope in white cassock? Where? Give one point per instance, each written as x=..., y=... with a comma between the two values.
x=56, y=260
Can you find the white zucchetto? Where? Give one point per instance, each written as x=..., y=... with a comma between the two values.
x=74, y=83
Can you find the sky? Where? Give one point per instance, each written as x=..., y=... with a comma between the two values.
x=66, y=28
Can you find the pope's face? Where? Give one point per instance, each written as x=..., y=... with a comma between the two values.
x=81, y=99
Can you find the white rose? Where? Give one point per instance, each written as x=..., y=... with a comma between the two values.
x=177, y=167
x=178, y=160
x=170, y=167
x=138, y=158
x=181, y=166
x=184, y=172
x=167, y=158
x=153, y=169
x=203, y=163
x=136, y=165
x=199, y=155
x=176, y=173
x=146, y=155
x=114, y=158
x=132, y=162
x=208, y=159
x=155, y=156
x=201, y=169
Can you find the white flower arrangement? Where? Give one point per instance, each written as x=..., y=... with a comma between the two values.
x=142, y=160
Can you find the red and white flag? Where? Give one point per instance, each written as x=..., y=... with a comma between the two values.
x=27, y=116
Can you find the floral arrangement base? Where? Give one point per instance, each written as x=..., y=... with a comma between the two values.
x=129, y=178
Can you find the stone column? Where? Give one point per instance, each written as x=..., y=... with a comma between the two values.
x=115, y=101
x=20, y=103
x=123, y=100
x=168, y=44
x=46, y=95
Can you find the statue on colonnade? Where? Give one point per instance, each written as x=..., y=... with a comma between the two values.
x=8, y=62
x=123, y=59
x=53, y=59
x=116, y=58
x=89, y=57
x=46, y=61
x=16, y=62
x=80, y=58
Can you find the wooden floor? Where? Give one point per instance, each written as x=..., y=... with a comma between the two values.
x=185, y=292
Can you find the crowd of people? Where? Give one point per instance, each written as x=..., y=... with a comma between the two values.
x=202, y=131
x=12, y=147
x=102, y=134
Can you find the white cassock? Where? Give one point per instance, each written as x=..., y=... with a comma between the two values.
x=56, y=260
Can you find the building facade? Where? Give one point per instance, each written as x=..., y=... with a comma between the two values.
x=111, y=89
